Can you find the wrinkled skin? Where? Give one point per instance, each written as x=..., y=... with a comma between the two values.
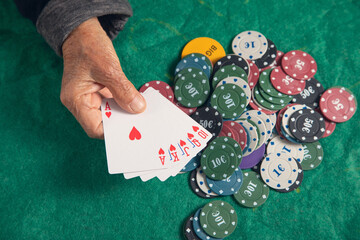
x=92, y=71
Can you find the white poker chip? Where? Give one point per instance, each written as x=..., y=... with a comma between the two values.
x=273, y=119
x=250, y=45
x=241, y=83
x=281, y=145
x=252, y=136
x=262, y=122
x=201, y=182
x=279, y=170
x=286, y=117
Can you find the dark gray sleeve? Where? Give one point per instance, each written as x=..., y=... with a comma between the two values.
x=59, y=17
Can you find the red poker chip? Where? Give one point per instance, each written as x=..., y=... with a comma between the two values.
x=254, y=74
x=279, y=118
x=186, y=110
x=162, y=87
x=286, y=84
x=239, y=133
x=329, y=125
x=338, y=104
x=299, y=65
x=279, y=56
x=226, y=131
x=256, y=106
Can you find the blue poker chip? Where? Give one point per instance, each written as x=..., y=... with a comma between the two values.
x=198, y=229
x=227, y=186
x=287, y=136
x=191, y=61
x=192, y=164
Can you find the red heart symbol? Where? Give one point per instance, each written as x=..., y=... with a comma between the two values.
x=161, y=151
x=195, y=128
x=190, y=136
x=172, y=148
x=108, y=114
x=134, y=134
x=182, y=143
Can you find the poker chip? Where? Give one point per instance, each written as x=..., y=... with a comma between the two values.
x=287, y=136
x=203, y=57
x=310, y=96
x=269, y=57
x=279, y=56
x=252, y=136
x=279, y=170
x=280, y=145
x=266, y=85
x=338, y=104
x=274, y=100
x=250, y=45
x=253, y=192
x=273, y=119
x=238, y=133
x=265, y=103
x=287, y=114
x=192, y=164
x=264, y=118
x=192, y=89
x=299, y=65
x=218, y=219
x=198, y=229
x=286, y=84
x=206, y=46
x=193, y=61
x=195, y=188
x=228, y=71
x=227, y=131
x=329, y=128
x=253, y=158
x=232, y=60
x=254, y=105
x=160, y=86
x=254, y=74
x=260, y=125
x=227, y=186
x=239, y=82
x=186, y=110
x=313, y=155
x=220, y=158
x=307, y=125
x=297, y=182
x=210, y=119
x=229, y=100
x=202, y=183
x=188, y=229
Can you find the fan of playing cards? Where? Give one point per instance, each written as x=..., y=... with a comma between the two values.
x=156, y=143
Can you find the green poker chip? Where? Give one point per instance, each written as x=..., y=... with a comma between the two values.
x=220, y=158
x=263, y=102
x=285, y=99
x=266, y=85
x=192, y=87
x=218, y=219
x=313, y=155
x=228, y=71
x=230, y=100
x=253, y=192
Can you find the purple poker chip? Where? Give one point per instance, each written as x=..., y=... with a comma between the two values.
x=254, y=158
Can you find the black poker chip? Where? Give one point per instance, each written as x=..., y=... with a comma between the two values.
x=210, y=119
x=307, y=125
x=269, y=56
x=232, y=59
x=297, y=182
x=311, y=94
x=189, y=232
x=195, y=188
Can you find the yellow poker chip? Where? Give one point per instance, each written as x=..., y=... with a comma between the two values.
x=206, y=46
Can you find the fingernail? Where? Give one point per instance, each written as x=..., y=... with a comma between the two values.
x=138, y=103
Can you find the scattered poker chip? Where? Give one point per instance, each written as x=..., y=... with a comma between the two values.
x=297, y=182
x=313, y=155
x=264, y=118
x=195, y=188
x=273, y=119
x=239, y=82
x=254, y=74
x=202, y=183
x=329, y=128
x=227, y=131
x=238, y=133
x=269, y=57
x=203, y=57
x=193, y=61
x=218, y=219
x=228, y=71
x=160, y=86
x=253, y=158
x=210, y=119
x=310, y=96
x=254, y=105
x=220, y=158
x=286, y=84
x=198, y=229
x=266, y=85
x=253, y=192
x=285, y=99
x=338, y=104
x=299, y=65
x=287, y=136
x=192, y=90
x=260, y=125
x=229, y=100
x=281, y=145
x=265, y=103
x=206, y=46
x=227, y=186
x=307, y=125
x=250, y=45
x=188, y=229
x=287, y=114
x=192, y=164
x=252, y=136
x=279, y=170
x=186, y=110
x=232, y=60
x=279, y=56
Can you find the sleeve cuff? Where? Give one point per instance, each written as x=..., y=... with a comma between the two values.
x=60, y=17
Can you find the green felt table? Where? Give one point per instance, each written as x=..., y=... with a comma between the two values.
x=54, y=182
